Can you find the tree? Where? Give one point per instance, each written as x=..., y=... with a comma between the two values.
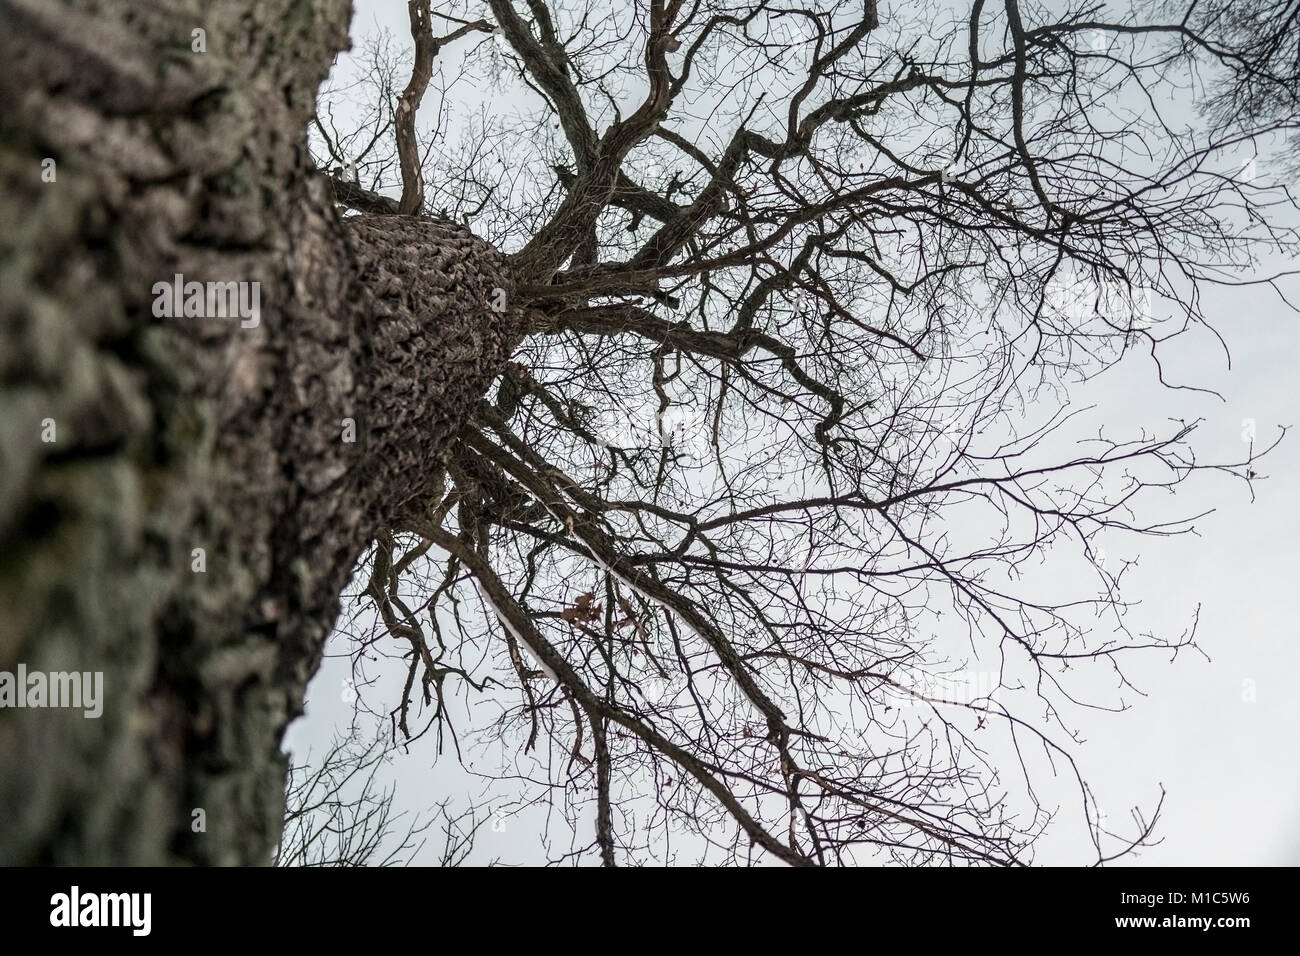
x=868, y=245
x=338, y=814
x=210, y=480
x=1260, y=84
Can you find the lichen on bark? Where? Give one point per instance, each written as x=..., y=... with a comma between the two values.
x=177, y=434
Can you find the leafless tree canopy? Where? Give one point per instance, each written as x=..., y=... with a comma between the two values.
x=780, y=530
x=1260, y=44
x=338, y=813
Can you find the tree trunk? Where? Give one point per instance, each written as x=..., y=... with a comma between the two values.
x=171, y=435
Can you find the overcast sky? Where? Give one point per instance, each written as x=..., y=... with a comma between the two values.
x=1220, y=734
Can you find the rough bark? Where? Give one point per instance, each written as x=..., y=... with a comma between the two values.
x=181, y=433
